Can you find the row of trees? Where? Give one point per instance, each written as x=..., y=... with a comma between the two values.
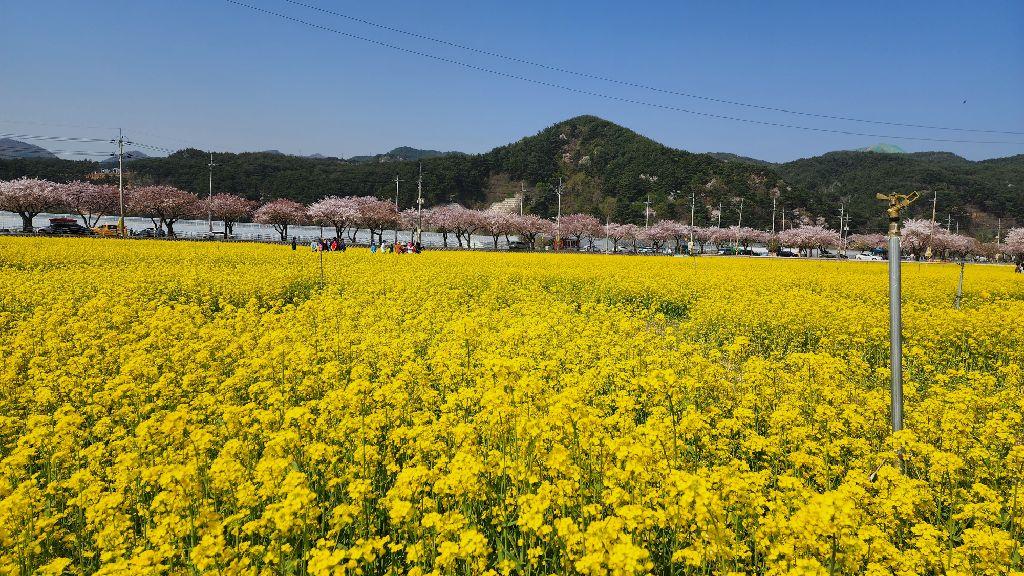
x=165, y=205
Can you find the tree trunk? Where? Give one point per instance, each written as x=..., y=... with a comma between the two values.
x=444, y=238
x=26, y=221
x=282, y=229
x=169, y=224
x=495, y=238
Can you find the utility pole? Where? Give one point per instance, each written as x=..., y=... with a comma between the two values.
x=775, y=199
x=120, y=181
x=397, y=211
x=897, y=202
x=522, y=197
x=949, y=222
x=693, y=206
x=209, y=201
x=647, y=213
x=935, y=201
x=999, y=230
x=607, y=242
x=419, y=207
x=842, y=215
x=719, y=214
x=783, y=218
x=740, y=223
x=558, y=216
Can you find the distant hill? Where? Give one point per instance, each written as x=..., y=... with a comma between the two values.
x=599, y=164
x=401, y=154
x=129, y=156
x=883, y=149
x=971, y=192
x=730, y=157
x=10, y=149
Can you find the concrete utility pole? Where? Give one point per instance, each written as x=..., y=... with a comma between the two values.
x=522, y=197
x=419, y=208
x=397, y=210
x=842, y=214
x=558, y=216
x=647, y=213
x=775, y=199
x=935, y=202
x=209, y=201
x=949, y=222
x=740, y=223
x=120, y=180
x=693, y=207
x=999, y=230
x=897, y=202
x=719, y=214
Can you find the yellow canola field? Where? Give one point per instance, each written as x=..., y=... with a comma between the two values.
x=178, y=408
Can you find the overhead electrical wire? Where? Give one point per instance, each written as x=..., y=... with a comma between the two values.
x=631, y=84
x=609, y=96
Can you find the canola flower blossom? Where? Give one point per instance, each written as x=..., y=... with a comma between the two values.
x=177, y=408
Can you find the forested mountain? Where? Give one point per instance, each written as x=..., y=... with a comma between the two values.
x=600, y=164
x=399, y=154
x=972, y=193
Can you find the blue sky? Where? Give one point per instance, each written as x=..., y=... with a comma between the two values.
x=219, y=76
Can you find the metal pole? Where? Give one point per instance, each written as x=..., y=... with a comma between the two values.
x=209, y=200
x=775, y=200
x=120, y=182
x=896, y=202
x=558, y=217
x=419, y=207
x=960, y=284
x=935, y=201
x=895, y=327
x=396, y=208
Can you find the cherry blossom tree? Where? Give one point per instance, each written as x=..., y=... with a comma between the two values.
x=443, y=219
x=29, y=197
x=580, y=226
x=668, y=230
x=918, y=235
x=704, y=235
x=809, y=237
x=281, y=214
x=617, y=234
x=496, y=223
x=1014, y=244
x=530, y=226
x=340, y=213
x=376, y=215
x=466, y=222
x=231, y=208
x=866, y=241
x=163, y=205
x=89, y=201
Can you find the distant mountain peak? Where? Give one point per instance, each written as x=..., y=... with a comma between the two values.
x=10, y=149
x=883, y=148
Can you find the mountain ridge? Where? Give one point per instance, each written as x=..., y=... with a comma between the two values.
x=600, y=163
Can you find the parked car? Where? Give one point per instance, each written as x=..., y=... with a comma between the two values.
x=106, y=229
x=784, y=253
x=150, y=233
x=517, y=245
x=867, y=256
x=733, y=251
x=65, y=226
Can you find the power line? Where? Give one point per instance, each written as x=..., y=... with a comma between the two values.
x=608, y=96
x=638, y=84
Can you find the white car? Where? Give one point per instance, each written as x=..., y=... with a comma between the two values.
x=867, y=256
